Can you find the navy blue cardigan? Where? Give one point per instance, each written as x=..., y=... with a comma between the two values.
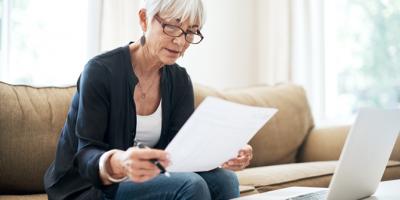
x=102, y=116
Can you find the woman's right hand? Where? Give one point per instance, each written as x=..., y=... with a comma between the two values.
x=135, y=163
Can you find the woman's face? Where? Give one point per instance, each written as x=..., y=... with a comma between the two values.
x=167, y=48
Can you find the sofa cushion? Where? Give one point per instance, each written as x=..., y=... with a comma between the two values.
x=30, y=123
x=31, y=119
x=314, y=174
x=24, y=197
x=279, y=140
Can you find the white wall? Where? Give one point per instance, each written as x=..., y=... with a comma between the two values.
x=227, y=57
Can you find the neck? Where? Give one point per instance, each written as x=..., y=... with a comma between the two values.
x=145, y=64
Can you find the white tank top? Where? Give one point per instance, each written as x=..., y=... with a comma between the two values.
x=148, y=128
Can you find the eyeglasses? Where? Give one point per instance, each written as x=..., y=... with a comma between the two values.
x=176, y=31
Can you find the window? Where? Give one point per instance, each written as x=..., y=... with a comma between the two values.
x=362, y=56
x=43, y=41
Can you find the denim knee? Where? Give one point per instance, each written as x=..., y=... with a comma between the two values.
x=194, y=187
x=223, y=184
x=231, y=182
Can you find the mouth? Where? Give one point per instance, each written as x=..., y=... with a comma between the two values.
x=173, y=51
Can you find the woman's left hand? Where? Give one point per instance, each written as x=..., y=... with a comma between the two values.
x=241, y=161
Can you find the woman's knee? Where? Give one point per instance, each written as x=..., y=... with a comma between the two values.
x=178, y=186
x=223, y=183
x=194, y=187
x=229, y=178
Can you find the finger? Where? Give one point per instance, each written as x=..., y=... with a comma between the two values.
x=247, y=155
x=246, y=151
x=233, y=168
x=236, y=163
x=237, y=166
x=240, y=160
x=140, y=164
x=236, y=158
x=135, y=171
x=241, y=164
x=147, y=154
x=143, y=172
x=165, y=163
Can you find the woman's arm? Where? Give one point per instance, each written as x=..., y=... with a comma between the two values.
x=134, y=164
x=92, y=120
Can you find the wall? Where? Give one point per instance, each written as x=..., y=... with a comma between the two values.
x=227, y=57
x=246, y=42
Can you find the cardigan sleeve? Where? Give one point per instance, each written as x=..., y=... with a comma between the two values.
x=92, y=121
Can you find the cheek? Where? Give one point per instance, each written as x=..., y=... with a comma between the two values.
x=162, y=43
x=185, y=47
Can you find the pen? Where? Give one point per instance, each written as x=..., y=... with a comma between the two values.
x=154, y=161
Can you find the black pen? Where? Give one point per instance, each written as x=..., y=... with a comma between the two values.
x=154, y=161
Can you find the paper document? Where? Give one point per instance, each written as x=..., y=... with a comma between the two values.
x=215, y=133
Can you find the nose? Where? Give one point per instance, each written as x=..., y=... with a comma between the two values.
x=180, y=40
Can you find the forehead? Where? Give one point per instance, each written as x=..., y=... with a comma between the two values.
x=178, y=21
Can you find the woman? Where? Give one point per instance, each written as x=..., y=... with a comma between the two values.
x=137, y=92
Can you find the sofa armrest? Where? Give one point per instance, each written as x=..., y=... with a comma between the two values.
x=327, y=143
x=323, y=144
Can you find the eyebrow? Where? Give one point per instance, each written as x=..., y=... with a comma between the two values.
x=179, y=23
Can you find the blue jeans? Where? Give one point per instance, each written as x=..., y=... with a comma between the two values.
x=215, y=184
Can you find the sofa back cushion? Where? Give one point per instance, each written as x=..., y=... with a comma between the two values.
x=278, y=140
x=30, y=122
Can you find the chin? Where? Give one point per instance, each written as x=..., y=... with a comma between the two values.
x=169, y=61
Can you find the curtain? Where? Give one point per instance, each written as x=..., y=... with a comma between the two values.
x=119, y=23
x=291, y=46
x=274, y=41
x=307, y=51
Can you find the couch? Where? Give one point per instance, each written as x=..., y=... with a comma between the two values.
x=288, y=151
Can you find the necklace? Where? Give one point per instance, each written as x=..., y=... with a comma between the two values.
x=144, y=92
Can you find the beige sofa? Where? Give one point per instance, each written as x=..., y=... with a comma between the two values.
x=288, y=150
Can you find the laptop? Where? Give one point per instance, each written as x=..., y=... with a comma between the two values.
x=362, y=162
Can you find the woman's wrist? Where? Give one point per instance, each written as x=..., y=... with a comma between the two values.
x=114, y=166
x=109, y=168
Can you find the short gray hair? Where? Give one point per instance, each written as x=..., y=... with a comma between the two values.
x=191, y=10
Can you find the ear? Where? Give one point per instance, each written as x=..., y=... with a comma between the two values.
x=143, y=19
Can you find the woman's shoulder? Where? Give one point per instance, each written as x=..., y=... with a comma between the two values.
x=177, y=74
x=110, y=57
x=176, y=69
x=113, y=61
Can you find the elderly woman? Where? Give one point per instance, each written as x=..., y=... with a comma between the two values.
x=137, y=93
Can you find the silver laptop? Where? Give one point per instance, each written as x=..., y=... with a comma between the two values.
x=362, y=161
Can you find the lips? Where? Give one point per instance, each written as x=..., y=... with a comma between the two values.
x=173, y=51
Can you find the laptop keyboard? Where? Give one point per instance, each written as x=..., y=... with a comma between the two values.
x=311, y=196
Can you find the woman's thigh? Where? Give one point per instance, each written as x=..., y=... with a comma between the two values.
x=222, y=183
x=177, y=186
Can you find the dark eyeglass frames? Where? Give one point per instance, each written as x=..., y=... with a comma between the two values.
x=176, y=31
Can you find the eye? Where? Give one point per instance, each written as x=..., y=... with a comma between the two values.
x=192, y=31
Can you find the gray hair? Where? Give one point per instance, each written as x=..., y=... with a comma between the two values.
x=191, y=10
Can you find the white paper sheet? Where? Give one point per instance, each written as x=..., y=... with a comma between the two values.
x=215, y=133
